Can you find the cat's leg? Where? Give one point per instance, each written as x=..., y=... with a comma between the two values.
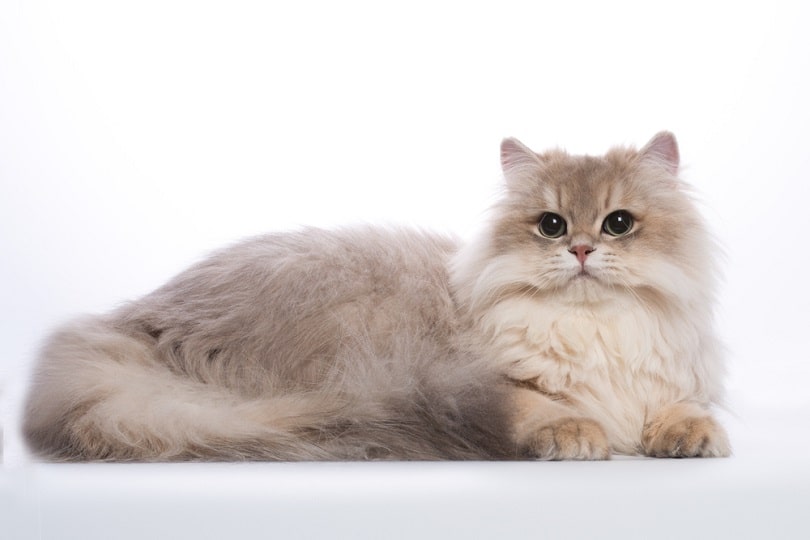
x=545, y=429
x=684, y=430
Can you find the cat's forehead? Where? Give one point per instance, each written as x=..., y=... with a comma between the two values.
x=581, y=185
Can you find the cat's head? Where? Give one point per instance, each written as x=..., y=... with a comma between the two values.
x=588, y=229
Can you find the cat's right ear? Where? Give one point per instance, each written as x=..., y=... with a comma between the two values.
x=517, y=159
x=663, y=151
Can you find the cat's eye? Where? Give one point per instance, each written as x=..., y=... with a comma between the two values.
x=551, y=225
x=618, y=223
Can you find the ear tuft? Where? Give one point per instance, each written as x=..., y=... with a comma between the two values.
x=663, y=150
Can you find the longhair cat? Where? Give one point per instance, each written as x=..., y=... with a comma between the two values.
x=576, y=325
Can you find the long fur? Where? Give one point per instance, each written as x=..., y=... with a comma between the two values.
x=372, y=343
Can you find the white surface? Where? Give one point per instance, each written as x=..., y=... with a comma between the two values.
x=135, y=137
x=629, y=499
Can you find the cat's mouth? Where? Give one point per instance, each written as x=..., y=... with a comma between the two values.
x=585, y=276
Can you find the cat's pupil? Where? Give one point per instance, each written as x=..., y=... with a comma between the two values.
x=618, y=223
x=551, y=225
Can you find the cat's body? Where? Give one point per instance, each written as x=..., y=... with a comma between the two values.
x=390, y=344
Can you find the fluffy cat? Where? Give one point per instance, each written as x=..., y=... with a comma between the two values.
x=578, y=324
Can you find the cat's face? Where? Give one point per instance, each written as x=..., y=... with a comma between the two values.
x=588, y=228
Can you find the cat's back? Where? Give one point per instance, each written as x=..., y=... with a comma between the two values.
x=298, y=298
x=327, y=265
x=393, y=276
x=359, y=262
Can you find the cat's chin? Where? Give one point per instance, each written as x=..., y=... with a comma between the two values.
x=589, y=288
x=584, y=274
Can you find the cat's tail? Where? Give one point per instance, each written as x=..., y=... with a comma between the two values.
x=98, y=394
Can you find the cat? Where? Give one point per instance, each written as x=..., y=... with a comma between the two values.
x=576, y=325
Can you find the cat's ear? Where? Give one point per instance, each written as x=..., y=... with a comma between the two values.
x=663, y=150
x=517, y=159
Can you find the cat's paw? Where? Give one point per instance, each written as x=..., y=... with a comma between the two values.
x=569, y=438
x=690, y=436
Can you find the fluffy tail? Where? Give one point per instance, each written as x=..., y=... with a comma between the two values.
x=100, y=395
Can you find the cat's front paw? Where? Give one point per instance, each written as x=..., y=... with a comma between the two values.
x=569, y=438
x=689, y=436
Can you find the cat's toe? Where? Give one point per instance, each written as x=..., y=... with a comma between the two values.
x=695, y=436
x=570, y=438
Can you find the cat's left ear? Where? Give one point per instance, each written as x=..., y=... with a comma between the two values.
x=663, y=150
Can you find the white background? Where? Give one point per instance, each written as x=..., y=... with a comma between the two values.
x=137, y=136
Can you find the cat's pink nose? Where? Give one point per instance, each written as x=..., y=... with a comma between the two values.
x=582, y=251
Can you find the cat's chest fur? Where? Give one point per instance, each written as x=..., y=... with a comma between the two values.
x=615, y=362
